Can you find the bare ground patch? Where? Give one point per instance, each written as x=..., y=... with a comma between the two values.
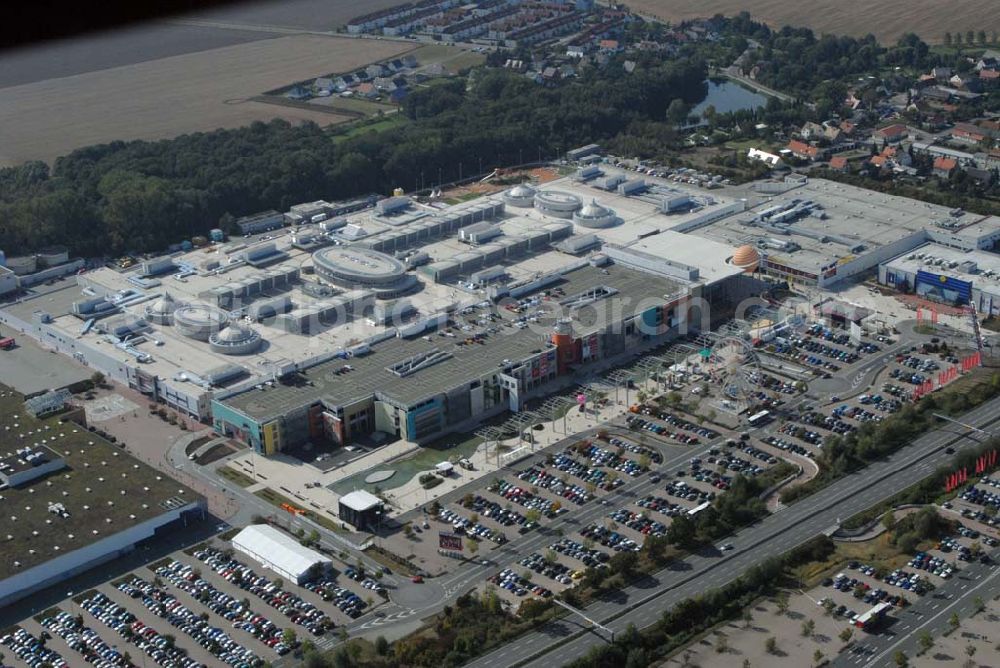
x=886, y=19
x=172, y=96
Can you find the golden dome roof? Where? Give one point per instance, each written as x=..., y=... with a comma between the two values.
x=746, y=258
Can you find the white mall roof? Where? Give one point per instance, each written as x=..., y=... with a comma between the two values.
x=360, y=500
x=277, y=550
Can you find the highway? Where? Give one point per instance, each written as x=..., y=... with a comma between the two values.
x=641, y=604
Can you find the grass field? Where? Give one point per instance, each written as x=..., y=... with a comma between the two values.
x=395, y=120
x=886, y=19
x=172, y=96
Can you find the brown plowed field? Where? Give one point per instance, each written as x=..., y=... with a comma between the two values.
x=886, y=19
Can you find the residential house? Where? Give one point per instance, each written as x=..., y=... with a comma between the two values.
x=989, y=159
x=609, y=45
x=984, y=177
x=969, y=82
x=944, y=167
x=576, y=51
x=839, y=163
x=376, y=70
x=988, y=63
x=936, y=94
x=879, y=161
x=897, y=155
x=629, y=66
x=968, y=133
x=298, y=93
x=770, y=159
x=366, y=90
x=891, y=134
x=802, y=150
x=324, y=86
x=989, y=78
x=942, y=73
x=812, y=131
x=436, y=70
x=385, y=84
x=847, y=128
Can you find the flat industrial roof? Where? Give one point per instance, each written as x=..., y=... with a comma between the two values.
x=90, y=489
x=467, y=362
x=984, y=261
x=863, y=217
x=360, y=500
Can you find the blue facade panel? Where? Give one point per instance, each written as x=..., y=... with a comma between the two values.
x=943, y=288
x=233, y=424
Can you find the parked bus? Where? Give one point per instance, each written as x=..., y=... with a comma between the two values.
x=869, y=619
x=761, y=418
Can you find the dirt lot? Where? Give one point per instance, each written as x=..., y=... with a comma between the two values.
x=172, y=96
x=928, y=18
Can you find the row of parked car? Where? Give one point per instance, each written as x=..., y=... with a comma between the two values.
x=228, y=607
x=638, y=522
x=918, y=363
x=514, y=583
x=823, y=350
x=661, y=505
x=463, y=525
x=493, y=510
x=85, y=641
x=909, y=581
x=346, y=600
x=936, y=565
x=788, y=446
x=682, y=490
x=590, y=556
x=163, y=604
x=982, y=497
x=553, y=570
x=537, y=477
x=634, y=422
x=801, y=433
x=609, y=538
x=287, y=603
x=526, y=499
x=146, y=638
x=590, y=475
x=31, y=650
x=636, y=449
x=606, y=458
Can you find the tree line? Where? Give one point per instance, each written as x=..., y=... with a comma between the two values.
x=144, y=195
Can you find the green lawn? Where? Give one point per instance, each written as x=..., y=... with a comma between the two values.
x=360, y=105
x=234, y=476
x=363, y=127
x=276, y=499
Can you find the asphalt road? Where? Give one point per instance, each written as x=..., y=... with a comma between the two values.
x=644, y=602
x=930, y=613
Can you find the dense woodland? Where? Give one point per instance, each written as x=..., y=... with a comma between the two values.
x=141, y=196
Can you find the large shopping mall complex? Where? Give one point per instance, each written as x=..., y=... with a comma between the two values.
x=414, y=317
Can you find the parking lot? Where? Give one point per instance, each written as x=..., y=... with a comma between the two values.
x=199, y=608
x=582, y=475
